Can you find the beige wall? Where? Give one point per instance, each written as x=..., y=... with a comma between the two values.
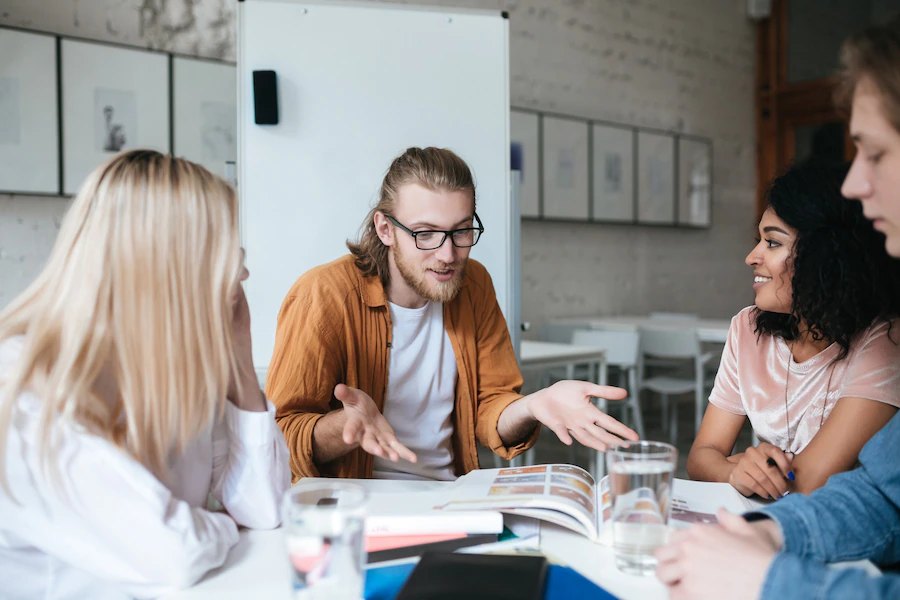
x=680, y=65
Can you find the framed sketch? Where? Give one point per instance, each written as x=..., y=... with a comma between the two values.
x=113, y=99
x=565, y=168
x=204, y=113
x=29, y=136
x=694, y=182
x=656, y=178
x=524, y=135
x=612, y=196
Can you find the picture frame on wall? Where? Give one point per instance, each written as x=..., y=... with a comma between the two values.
x=612, y=166
x=524, y=135
x=113, y=99
x=204, y=112
x=694, y=181
x=656, y=178
x=566, y=179
x=29, y=124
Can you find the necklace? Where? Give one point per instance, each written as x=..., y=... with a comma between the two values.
x=787, y=377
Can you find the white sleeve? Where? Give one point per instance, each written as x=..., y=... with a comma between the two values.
x=250, y=466
x=106, y=514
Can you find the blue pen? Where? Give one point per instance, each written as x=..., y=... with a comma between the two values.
x=790, y=475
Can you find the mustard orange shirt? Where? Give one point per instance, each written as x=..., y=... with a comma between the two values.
x=334, y=327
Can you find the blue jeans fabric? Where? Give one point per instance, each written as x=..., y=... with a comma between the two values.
x=856, y=515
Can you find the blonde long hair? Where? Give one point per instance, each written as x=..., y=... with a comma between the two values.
x=138, y=284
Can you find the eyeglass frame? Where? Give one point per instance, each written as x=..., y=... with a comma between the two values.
x=447, y=232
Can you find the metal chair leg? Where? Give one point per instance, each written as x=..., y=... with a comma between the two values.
x=673, y=423
x=664, y=410
x=634, y=403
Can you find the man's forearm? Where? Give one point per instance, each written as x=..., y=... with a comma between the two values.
x=328, y=443
x=516, y=422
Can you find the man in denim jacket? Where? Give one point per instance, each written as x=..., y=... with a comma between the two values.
x=855, y=516
x=782, y=550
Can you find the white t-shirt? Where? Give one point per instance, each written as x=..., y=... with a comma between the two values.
x=112, y=530
x=421, y=393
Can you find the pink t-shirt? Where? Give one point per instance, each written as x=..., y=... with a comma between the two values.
x=751, y=379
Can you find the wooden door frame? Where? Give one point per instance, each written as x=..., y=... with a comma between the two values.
x=781, y=105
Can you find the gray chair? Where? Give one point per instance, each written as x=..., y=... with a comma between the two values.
x=674, y=344
x=561, y=333
x=622, y=352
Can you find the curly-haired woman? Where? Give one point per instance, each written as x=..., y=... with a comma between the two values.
x=856, y=515
x=815, y=363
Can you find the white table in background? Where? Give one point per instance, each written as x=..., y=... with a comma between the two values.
x=708, y=330
x=542, y=356
x=257, y=567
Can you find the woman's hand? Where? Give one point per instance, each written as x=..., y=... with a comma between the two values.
x=763, y=470
x=243, y=388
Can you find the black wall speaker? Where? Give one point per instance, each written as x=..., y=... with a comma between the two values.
x=265, y=97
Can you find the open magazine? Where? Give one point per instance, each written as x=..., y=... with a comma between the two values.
x=567, y=495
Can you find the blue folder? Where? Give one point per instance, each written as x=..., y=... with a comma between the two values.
x=563, y=583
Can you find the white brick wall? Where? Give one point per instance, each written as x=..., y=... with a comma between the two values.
x=681, y=65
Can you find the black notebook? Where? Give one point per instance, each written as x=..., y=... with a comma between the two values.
x=448, y=576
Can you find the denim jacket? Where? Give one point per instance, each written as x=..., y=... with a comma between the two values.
x=856, y=515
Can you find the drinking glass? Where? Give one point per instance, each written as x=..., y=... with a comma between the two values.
x=324, y=530
x=640, y=484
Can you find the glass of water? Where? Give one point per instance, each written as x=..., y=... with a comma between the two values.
x=640, y=484
x=324, y=530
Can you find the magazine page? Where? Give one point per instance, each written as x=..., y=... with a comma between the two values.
x=562, y=494
x=413, y=513
x=698, y=502
x=692, y=502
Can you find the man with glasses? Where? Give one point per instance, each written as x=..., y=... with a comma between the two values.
x=393, y=360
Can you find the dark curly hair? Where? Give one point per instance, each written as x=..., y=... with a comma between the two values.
x=842, y=280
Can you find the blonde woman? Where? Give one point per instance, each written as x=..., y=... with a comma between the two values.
x=127, y=393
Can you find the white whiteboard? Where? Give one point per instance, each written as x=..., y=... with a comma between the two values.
x=358, y=84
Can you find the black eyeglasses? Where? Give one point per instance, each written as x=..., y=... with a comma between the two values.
x=431, y=239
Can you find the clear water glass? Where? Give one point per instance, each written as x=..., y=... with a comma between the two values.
x=324, y=525
x=640, y=483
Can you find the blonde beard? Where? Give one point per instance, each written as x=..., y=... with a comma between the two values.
x=439, y=291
